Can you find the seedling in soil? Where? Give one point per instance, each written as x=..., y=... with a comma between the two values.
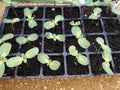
x=13, y=4
x=91, y=3
x=44, y=59
x=106, y=64
x=53, y=23
x=17, y=60
x=116, y=11
x=74, y=2
x=11, y=21
x=83, y=60
x=102, y=45
x=22, y=40
x=28, y=13
x=5, y=49
x=6, y=37
x=55, y=37
x=96, y=13
x=77, y=32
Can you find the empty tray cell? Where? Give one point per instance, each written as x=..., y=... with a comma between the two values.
x=39, y=13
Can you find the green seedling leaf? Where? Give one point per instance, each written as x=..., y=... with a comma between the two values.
x=107, y=1
x=83, y=60
x=59, y=18
x=32, y=23
x=12, y=21
x=97, y=10
x=43, y=58
x=49, y=25
x=5, y=49
x=54, y=65
x=21, y=40
x=60, y=1
x=83, y=42
x=32, y=37
x=60, y=38
x=76, y=31
x=100, y=40
x=116, y=11
x=91, y=3
x=14, y=61
x=72, y=50
x=106, y=48
x=74, y=2
x=32, y=52
x=2, y=69
x=107, y=56
x=13, y=3
x=106, y=67
x=72, y=23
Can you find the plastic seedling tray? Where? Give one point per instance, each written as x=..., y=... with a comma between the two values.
x=107, y=26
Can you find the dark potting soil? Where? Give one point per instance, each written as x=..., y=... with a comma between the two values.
x=68, y=26
x=111, y=25
x=73, y=41
x=106, y=12
x=71, y=12
x=48, y=72
x=51, y=46
x=31, y=68
x=94, y=46
x=75, y=68
x=57, y=29
x=39, y=13
x=9, y=72
x=51, y=12
x=30, y=45
x=19, y=12
x=116, y=58
x=37, y=29
x=17, y=28
x=114, y=42
x=92, y=26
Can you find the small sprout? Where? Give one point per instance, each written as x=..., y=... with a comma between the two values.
x=116, y=11
x=83, y=60
x=75, y=23
x=11, y=21
x=13, y=4
x=6, y=37
x=22, y=40
x=91, y=3
x=52, y=23
x=44, y=59
x=16, y=61
x=103, y=46
x=55, y=37
x=96, y=13
x=77, y=32
x=28, y=13
x=73, y=2
x=5, y=49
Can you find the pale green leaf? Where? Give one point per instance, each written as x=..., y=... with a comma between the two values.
x=14, y=4
x=100, y=40
x=7, y=36
x=14, y=61
x=59, y=1
x=21, y=40
x=43, y=58
x=34, y=9
x=54, y=65
x=15, y=20
x=60, y=38
x=32, y=23
x=5, y=49
x=49, y=25
x=84, y=43
x=2, y=69
x=48, y=35
x=106, y=56
x=32, y=52
x=107, y=1
x=72, y=50
x=116, y=11
x=94, y=16
x=76, y=3
x=97, y=10
x=88, y=2
x=76, y=31
x=7, y=20
x=32, y=37
x=106, y=48
x=59, y=18
x=7, y=1
x=106, y=67
x=27, y=12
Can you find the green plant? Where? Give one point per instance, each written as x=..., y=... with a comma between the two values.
x=102, y=45
x=22, y=40
x=28, y=13
x=91, y=3
x=17, y=60
x=11, y=21
x=55, y=37
x=96, y=13
x=77, y=32
x=107, y=2
x=44, y=59
x=74, y=2
x=13, y=4
x=53, y=23
x=5, y=49
x=116, y=11
x=6, y=37
x=83, y=60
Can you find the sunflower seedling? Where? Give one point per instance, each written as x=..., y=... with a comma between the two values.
x=53, y=23
x=96, y=13
x=55, y=37
x=11, y=21
x=77, y=32
x=16, y=61
x=6, y=37
x=102, y=45
x=28, y=13
x=83, y=60
x=13, y=4
x=91, y=3
x=5, y=49
x=44, y=59
x=22, y=40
